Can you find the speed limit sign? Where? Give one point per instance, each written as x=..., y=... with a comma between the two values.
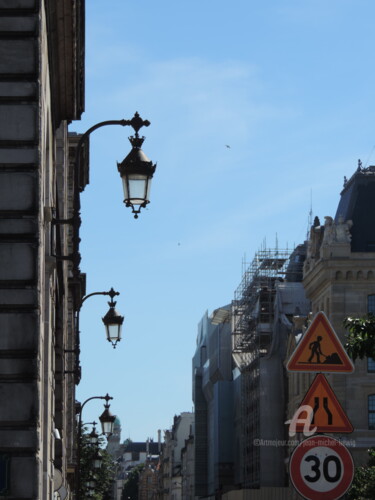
x=321, y=468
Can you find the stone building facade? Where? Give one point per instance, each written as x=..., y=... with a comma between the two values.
x=187, y=469
x=41, y=91
x=171, y=460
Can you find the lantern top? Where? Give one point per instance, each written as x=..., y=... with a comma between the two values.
x=107, y=419
x=112, y=317
x=136, y=162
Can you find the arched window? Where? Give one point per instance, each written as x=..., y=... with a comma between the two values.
x=371, y=412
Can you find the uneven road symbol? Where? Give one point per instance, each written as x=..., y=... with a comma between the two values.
x=328, y=414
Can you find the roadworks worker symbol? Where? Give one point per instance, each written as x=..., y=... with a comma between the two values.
x=320, y=350
x=327, y=414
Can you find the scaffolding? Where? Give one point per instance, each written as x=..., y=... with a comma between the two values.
x=253, y=305
x=253, y=318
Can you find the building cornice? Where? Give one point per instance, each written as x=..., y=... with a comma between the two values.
x=66, y=49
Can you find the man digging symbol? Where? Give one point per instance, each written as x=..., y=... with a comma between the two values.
x=316, y=350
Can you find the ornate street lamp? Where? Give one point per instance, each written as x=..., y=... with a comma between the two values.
x=136, y=171
x=97, y=460
x=91, y=484
x=107, y=419
x=113, y=324
x=93, y=437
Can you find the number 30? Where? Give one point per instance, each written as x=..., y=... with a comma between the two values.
x=326, y=473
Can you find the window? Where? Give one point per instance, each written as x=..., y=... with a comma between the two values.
x=371, y=412
x=371, y=310
x=371, y=304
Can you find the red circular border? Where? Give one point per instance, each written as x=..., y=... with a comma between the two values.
x=295, y=474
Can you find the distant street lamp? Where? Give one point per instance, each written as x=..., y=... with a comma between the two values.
x=113, y=323
x=112, y=320
x=107, y=421
x=113, y=326
x=93, y=437
x=97, y=460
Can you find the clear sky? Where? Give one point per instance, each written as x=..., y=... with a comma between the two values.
x=289, y=85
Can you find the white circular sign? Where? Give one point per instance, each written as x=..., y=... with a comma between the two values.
x=321, y=467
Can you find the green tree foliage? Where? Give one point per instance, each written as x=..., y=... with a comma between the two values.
x=363, y=486
x=360, y=337
x=103, y=477
x=130, y=490
x=360, y=344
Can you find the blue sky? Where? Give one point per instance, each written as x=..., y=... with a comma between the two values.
x=289, y=86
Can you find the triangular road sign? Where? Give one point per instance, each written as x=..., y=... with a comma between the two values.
x=328, y=415
x=320, y=350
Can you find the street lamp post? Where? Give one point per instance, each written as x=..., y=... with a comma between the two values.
x=93, y=437
x=136, y=171
x=112, y=321
x=107, y=421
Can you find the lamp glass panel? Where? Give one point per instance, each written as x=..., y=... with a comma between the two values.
x=137, y=188
x=119, y=331
x=113, y=331
x=93, y=439
x=125, y=187
x=107, y=428
x=148, y=189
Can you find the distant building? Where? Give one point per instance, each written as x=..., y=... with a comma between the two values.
x=188, y=469
x=240, y=388
x=269, y=296
x=114, y=441
x=128, y=455
x=213, y=405
x=149, y=480
x=171, y=465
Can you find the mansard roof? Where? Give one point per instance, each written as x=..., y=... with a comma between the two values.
x=357, y=203
x=153, y=448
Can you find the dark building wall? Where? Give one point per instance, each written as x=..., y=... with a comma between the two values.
x=200, y=438
x=19, y=244
x=41, y=78
x=224, y=435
